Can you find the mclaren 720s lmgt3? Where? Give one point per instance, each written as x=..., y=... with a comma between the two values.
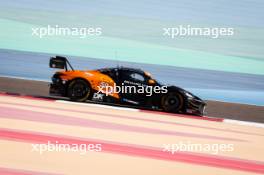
x=122, y=86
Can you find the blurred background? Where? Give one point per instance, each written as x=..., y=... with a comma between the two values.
x=229, y=68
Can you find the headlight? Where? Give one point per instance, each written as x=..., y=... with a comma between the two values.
x=189, y=95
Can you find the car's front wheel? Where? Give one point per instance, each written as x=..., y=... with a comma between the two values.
x=79, y=90
x=172, y=102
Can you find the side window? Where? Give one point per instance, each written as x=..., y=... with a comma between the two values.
x=137, y=77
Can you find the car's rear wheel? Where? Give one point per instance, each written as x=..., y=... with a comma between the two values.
x=172, y=102
x=79, y=90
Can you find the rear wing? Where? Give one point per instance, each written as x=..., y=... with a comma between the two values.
x=60, y=62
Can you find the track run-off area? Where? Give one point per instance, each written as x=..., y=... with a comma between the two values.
x=131, y=141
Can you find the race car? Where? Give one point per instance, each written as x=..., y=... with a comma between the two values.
x=121, y=86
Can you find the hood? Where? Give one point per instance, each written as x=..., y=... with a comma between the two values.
x=183, y=91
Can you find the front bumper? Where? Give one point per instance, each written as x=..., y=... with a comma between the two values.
x=195, y=106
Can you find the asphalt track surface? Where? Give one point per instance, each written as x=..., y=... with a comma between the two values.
x=132, y=141
x=214, y=108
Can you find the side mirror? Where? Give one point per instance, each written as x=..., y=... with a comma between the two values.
x=151, y=81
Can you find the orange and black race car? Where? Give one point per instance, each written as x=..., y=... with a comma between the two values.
x=123, y=86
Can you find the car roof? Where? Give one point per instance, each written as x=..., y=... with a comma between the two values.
x=124, y=69
x=131, y=69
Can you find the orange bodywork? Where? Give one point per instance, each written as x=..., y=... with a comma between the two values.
x=94, y=77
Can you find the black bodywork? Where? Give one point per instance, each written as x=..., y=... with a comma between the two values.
x=191, y=103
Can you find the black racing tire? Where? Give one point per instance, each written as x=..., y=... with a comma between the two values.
x=79, y=90
x=172, y=102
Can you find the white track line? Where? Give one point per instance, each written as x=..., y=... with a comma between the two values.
x=98, y=105
x=238, y=122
